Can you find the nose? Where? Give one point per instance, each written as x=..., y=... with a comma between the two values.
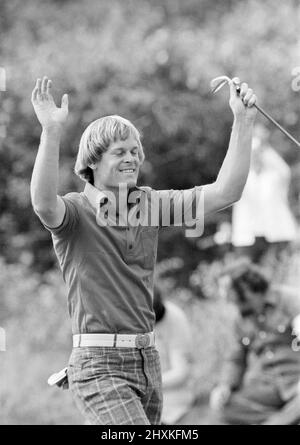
x=128, y=157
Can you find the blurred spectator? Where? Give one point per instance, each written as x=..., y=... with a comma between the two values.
x=174, y=342
x=262, y=217
x=260, y=380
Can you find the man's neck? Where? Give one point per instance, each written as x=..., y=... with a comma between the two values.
x=121, y=195
x=116, y=190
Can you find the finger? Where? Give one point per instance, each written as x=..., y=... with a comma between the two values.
x=38, y=86
x=34, y=94
x=233, y=90
x=49, y=86
x=233, y=84
x=252, y=100
x=236, y=80
x=244, y=89
x=65, y=102
x=248, y=94
x=44, y=85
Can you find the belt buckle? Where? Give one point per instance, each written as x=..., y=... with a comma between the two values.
x=142, y=341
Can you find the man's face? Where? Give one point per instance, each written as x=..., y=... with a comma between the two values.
x=120, y=164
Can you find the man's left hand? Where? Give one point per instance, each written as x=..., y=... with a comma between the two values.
x=242, y=103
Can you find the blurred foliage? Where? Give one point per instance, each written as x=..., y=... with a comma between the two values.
x=152, y=62
x=38, y=342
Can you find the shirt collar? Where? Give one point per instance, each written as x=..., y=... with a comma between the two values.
x=95, y=195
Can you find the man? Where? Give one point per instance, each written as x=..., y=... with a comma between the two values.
x=260, y=380
x=108, y=264
x=174, y=341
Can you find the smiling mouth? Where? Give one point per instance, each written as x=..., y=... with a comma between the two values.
x=128, y=171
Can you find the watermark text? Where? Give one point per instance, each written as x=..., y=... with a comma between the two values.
x=163, y=208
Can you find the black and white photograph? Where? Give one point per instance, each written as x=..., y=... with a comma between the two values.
x=149, y=215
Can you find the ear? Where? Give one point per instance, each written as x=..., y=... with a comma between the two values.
x=93, y=166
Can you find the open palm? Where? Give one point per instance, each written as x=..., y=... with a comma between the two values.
x=44, y=106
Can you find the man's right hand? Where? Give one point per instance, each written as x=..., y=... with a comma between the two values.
x=219, y=397
x=48, y=114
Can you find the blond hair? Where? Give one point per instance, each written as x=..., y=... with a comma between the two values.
x=97, y=138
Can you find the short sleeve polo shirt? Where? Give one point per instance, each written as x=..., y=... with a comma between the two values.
x=109, y=269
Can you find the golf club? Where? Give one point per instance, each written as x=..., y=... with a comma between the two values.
x=218, y=83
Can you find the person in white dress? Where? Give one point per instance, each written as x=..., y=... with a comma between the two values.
x=263, y=212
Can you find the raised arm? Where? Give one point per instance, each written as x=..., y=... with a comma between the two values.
x=233, y=174
x=44, y=182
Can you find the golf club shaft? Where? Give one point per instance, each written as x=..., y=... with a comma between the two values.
x=264, y=113
x=224, y=79
x=277, y=125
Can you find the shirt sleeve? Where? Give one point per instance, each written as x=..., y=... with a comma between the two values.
x=180, y=207
x=69, y=222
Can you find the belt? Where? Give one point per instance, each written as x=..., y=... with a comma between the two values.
x=139, y=341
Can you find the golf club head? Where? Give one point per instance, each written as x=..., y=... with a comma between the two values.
x=218, y=82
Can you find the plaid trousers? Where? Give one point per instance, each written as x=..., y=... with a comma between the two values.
x=116, y=386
